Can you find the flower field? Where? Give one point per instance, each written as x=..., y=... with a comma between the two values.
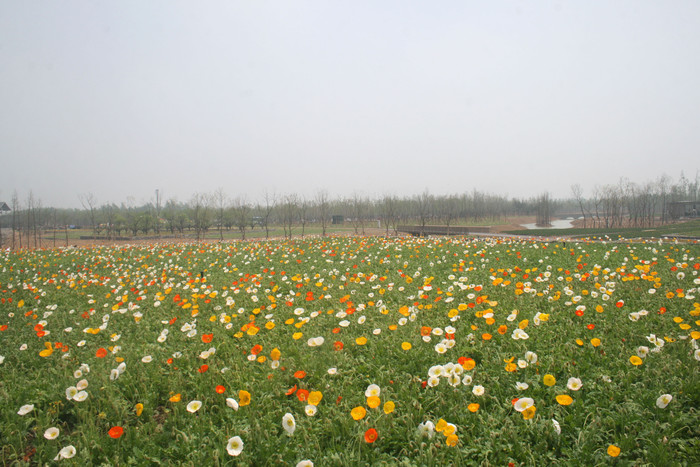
x=352, y=351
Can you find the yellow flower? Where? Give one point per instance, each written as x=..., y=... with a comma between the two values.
x=297, y=335
x=373, y=402
x=441, y=425
x=388, y=407
x=613, y=451
x=529, y=413
x=549, y=380
x=315, y=397
x=139, y=409
x=579, y=342
x=564, y=399
x=636, y=361
x=452, y=440
x=406, y=346
x=175, y=398
x=243, y=398
x=473, y=407
x=275, y=354
x=361, y=340
x=358, y=413
x=595, y=342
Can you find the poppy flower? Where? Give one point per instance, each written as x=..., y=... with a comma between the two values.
x=564, y=399
x=613, y=451
x=337, y=345
x=243, y=398
x=300, y=374
x=315, y=397
x=371, y=435
x=115, y=432
x=358, y=413
x=220, y=389
x=302, y=395
x=203, y=368
x=291, y=391
x=207, y=338
x=101, y=353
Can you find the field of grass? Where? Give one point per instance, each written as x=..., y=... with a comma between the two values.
x=352, y=351
x=685, y=229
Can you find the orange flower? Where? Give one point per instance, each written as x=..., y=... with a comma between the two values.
x=473, y=407
x=373, y=402
x=203, y=368
x=467, y=363
x=371, y=435
x=115, y=432
x=338, y=345
x=291, y=391
x=302, y=395
x=425, y=331
x=300, y=374
x=101, y=353
x=207, y=338
x=176, y=398
x=486, y=336
x=220, y=389
x=257, y=348
x=243, y=398
x=358, y=413
x=502, y=329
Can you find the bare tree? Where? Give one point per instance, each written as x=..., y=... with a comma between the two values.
x=577, y=191
x=221, y=202
x=389, y=214
x=200, y=207
x=323, y=209
x=241, y=217
x=289, y=214
x=89, y=203
x=266, y=211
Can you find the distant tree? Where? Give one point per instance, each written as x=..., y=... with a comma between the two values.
x=89, y=203
x=577, y=192
x=389, y=214
x=323, y=210
x=241, y=215
x=544, y=211
x=200, y=209
x=221, y=202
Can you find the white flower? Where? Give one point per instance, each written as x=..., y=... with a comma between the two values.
x=80, y=396
x=78, y=374
x=454, y=380
x=51, y=433
x=23, y=347
x=467, y=380
x=373, y=390
x=478, y=390
x=71, y=392
x=194, y=406
x=433, y=381
x=697, y=354
x=663, y=400
x=2, y=359
x=521, y=386
x=436, y=371
x=522, y=363
x=523, y=403
x=82, y=384
x=305, y=463
x=231, y=402
x=440, y=348
x=332, y=371
x=310, y=410
x=114, y=374
x=574, y=384
x=288, y=423
x=66, y=453
x=234, y=446
x=25, y=409
x=557, y=427
x=531, y=357
x=147, y=359
x=642, y=351
x=426, y=429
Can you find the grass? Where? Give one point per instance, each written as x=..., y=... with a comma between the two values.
x=687, y=229
x=164, y=325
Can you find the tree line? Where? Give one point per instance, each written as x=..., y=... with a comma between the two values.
x=624, y=204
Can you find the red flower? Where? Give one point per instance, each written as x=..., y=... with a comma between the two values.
x=220, y=389
x=203, y=368
x=300, y=374
x=207, y=338
x=337, y=345
x=291, y=391
x=101, y=353
x=302, y=395
x=591, y=326
x=579, y=312
x=115, y=432
x=371, y=435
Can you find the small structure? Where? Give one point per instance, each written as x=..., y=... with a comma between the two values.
x=4, y=207
x=337, y=219
x=678, y=209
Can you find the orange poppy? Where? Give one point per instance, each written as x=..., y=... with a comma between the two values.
x=203, y=368
x=300, y=374
x=207, y=338
x=291, y=391
x=256, y=349
x=220, y=389
x=486, y=336
x=371, y=435
x=302, y=395
x=115, y=432
x=338, y=345
x=101, y=353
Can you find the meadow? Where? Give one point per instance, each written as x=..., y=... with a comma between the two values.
x=352, y=351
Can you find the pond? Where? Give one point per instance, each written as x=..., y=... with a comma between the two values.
x=556, y=224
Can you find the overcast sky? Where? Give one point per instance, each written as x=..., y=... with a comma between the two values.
x=119, y=98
